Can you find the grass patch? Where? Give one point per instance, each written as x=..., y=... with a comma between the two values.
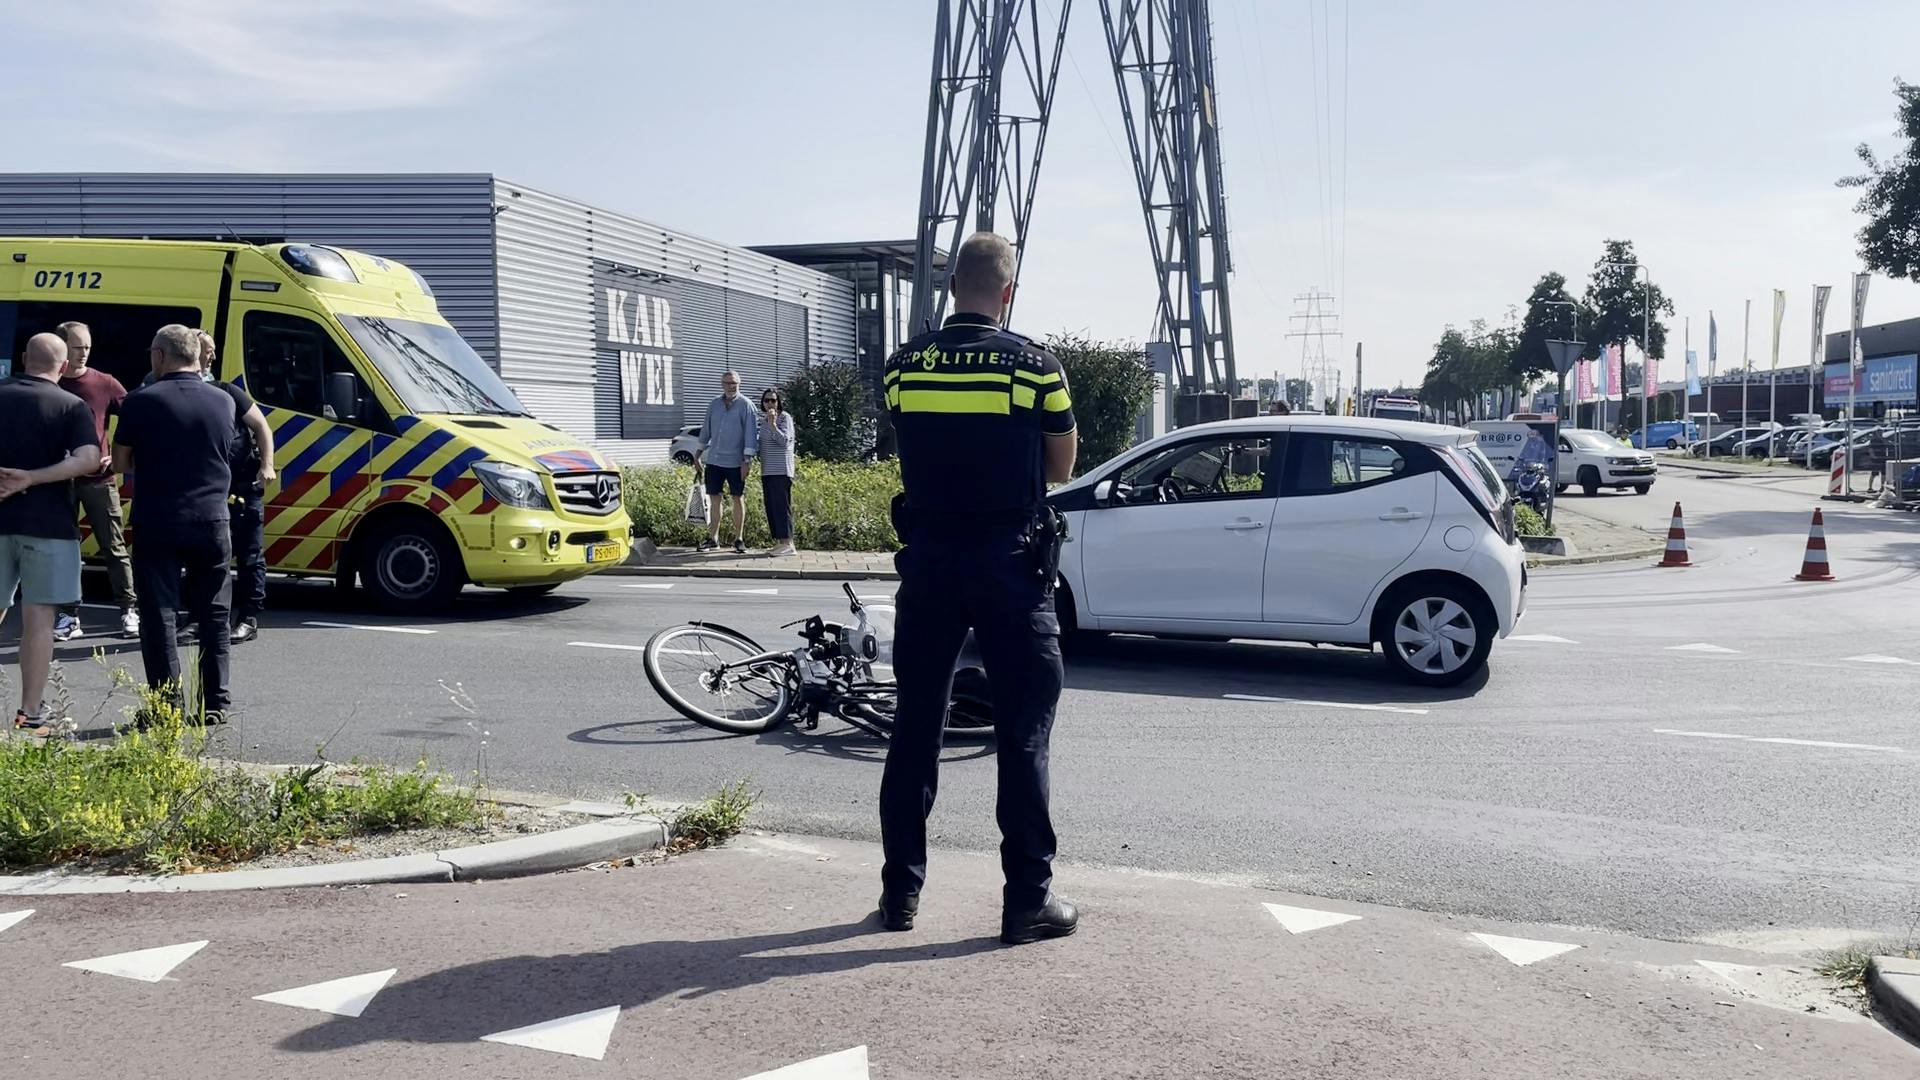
x=837, y=506
x=1528, y=522
x=1847, y=967
x=153, y=800
x=713, y=821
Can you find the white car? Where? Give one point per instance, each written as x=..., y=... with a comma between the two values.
x=1593, y=460
x=1329, y=529
x=684, y=446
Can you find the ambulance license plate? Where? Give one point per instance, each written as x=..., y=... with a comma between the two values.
x=599, y=553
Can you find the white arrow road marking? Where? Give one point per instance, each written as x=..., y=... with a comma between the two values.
x=1326, y=704
x=1550, y=639
x=1299, y=920
x=1701, y=646
x=13, y=918
x=582, y=1034
x=1876, y=658
x=845, y=1065
x=146, y=965
x=341, y=997
x=1778, y=740
x=755, y=592
x=369, y=626
x=606, y=645
x=647, y=585
x=1524, y=951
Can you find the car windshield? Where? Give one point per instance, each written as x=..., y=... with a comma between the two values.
x=432, y=368
x=1590, y=440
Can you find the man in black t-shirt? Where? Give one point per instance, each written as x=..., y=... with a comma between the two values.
x=174, y=437
x=250, y=460
x=46, y=440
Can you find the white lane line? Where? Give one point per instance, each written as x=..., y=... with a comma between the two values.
x=1299, y=920
x=648, y=585
x=340, y=997
x=146, y=965
x=1550, y=639
x=369, y=626
x=1876, y=658
x=1326, y=704
x=1823, y=743
x=845, y=1065
x=1701, y=646
x=1524, y=951
x=754, y=592
x=581, y=1035
x=607, y=645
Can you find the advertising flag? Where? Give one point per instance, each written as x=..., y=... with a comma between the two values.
x=1713, y=344
x=1602, y=366
x=1583, y=381
x=1649, y=373
x=1820, y=295
x=1616, y=372
x=1693, y=372
x=1860, y=299
x=1779, y=312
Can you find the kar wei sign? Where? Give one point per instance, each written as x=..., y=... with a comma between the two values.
x=633, y=335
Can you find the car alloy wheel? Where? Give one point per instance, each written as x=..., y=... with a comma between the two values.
x=1435, y=635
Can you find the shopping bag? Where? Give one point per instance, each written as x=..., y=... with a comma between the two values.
x=696, y=503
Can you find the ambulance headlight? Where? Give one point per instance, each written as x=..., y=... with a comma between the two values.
x=512, y=484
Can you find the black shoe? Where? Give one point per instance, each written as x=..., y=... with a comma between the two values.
x=708, y=545
x=245, y=630
x=1055, y=918
x=897, y=912
x=739, y=547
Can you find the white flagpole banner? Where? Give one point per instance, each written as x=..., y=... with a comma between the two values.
x=1860, y=282
x=1779, y=312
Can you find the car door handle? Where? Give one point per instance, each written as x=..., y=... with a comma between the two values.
x=1243, y=526
x=1402, y=514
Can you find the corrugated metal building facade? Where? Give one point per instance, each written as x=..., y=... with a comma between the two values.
x=609, y=327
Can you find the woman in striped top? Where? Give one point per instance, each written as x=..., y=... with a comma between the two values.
x=776, y=470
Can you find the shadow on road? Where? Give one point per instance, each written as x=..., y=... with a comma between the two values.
x=832, y=739
x=1126, y=664
x=462, y=1004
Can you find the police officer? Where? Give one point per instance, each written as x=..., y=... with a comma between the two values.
x=983, y=423
x=250, y=461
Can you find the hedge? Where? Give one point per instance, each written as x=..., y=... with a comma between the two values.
x=837, y=506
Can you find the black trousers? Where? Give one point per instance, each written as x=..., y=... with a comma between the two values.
x=185, y=566
x=247, y=520
x=778, y=491
x=949, y=585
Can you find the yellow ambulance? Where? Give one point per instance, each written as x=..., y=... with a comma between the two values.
x=404, y=461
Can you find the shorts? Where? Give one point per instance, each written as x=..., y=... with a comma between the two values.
x=734, y=477
x=44, y=571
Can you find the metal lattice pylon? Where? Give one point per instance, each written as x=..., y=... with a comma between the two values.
x=1162, y=53
x=995, y=66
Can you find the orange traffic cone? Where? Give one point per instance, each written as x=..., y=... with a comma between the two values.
x=1676, y=542
x=1814, y=566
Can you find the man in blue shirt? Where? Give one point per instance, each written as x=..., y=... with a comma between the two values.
x=728, y=441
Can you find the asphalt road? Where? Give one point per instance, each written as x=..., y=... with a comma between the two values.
x=1703, y=754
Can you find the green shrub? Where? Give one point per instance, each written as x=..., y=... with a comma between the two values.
x=837, y=506
x=1527, y=522
x=153, y=800
x=831, y=407
x=1112, y=388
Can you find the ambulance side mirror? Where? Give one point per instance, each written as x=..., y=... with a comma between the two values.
x=343, y=396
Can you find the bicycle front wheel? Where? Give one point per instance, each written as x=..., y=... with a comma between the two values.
x=708, y=674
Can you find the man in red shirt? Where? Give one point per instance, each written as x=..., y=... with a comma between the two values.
x=98, y=495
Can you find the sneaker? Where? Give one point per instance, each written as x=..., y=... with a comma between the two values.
x=66, y=628
x=245, y=630
x=739, y=547
x=786, y=549
x=32, y=725
x=709, y=544
x=130, y=623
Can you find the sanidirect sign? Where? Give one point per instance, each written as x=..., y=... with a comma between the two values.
x=1883, y=380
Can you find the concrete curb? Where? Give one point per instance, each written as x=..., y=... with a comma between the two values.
x=1650, y=551
x=562, y=849
x=1894, y=984
x=640, y=564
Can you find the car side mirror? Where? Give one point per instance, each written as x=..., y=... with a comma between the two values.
x=1103, y=493
x=343, y=396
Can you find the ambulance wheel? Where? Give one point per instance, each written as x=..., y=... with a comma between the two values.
x=410, y=564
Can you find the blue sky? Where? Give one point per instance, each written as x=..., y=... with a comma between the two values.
x=1485, y=142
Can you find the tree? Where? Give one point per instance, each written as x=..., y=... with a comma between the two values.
x=1548, y=318
x=1111, y=386
x=1617, y=301
x=1890, y=196
x=828, y=402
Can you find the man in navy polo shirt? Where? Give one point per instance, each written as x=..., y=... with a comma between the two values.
x=173, y=436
